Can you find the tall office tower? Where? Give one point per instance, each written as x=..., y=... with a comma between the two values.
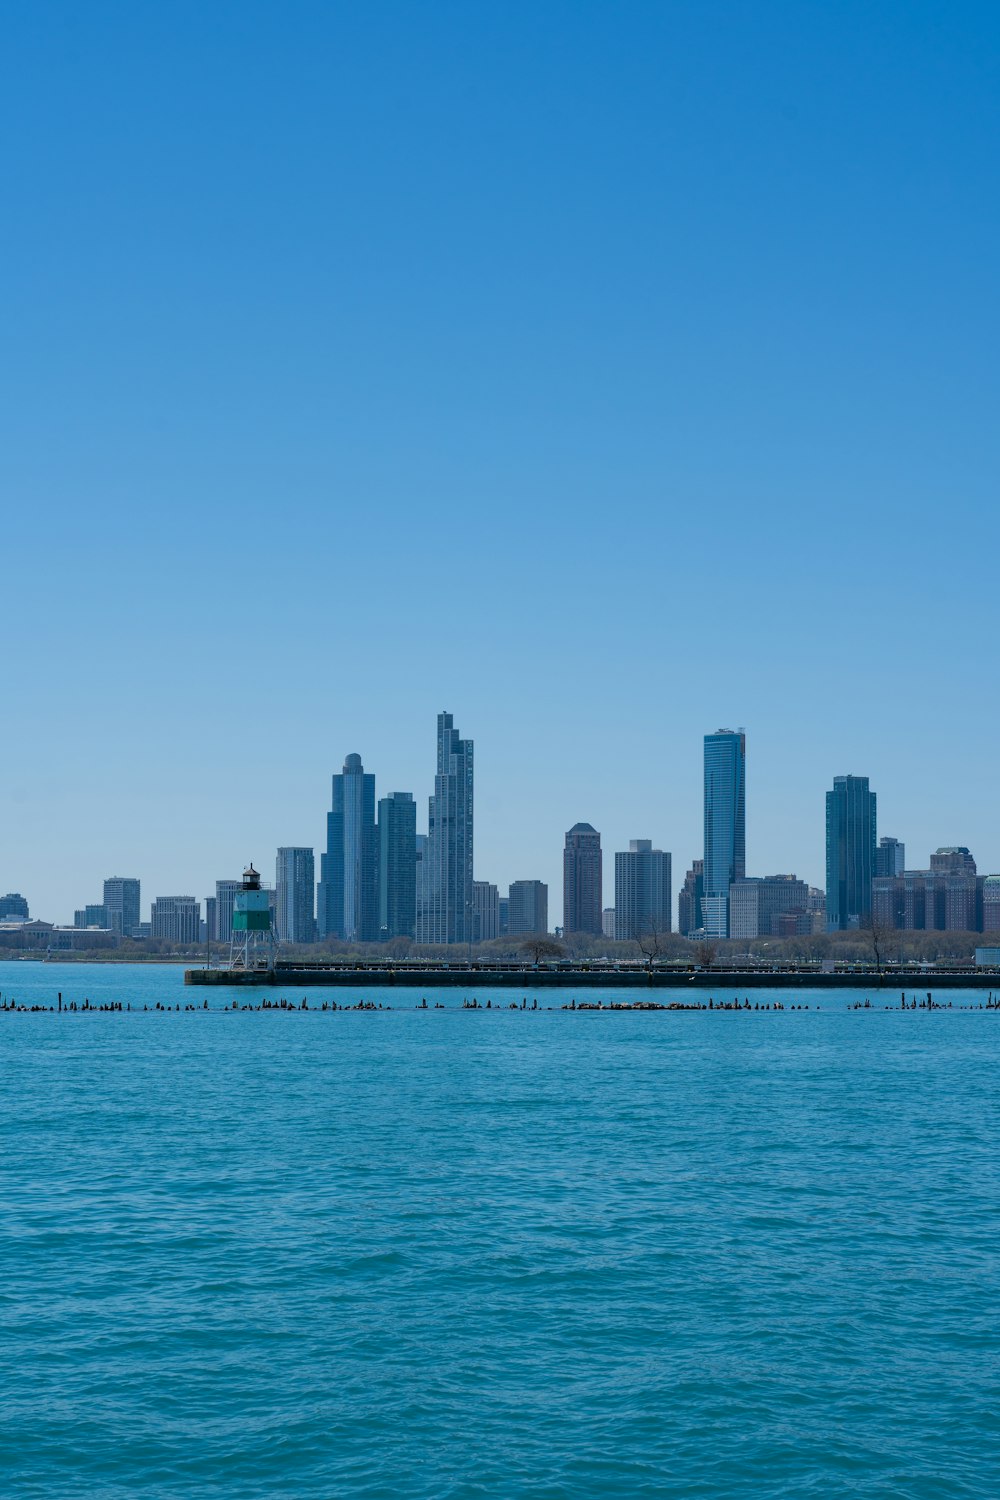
x=760, y=906
x=448, y=912
x=582, y=880
x=689, y=898
x=890, y=857
x=211, y=919
x=608, y=922
x=850, y=852
x=397, y=866
x=725, y=825
x=991, y=903
x=225, y=899
x=504, y=905
x=177, y=918
x=13, y=905
x=347, y=896
x=121, y=897
x=485, y=911
x=295, y=876
x=642, y=891
x=528, y=907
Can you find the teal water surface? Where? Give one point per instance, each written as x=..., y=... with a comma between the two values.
x=459, y=1254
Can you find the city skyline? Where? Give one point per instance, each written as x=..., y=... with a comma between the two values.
x=740, y=320
x=724, y=785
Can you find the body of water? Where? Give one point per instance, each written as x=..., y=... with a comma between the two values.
x=452, y=1254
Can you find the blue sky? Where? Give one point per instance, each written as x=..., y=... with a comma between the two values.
x=605, y=374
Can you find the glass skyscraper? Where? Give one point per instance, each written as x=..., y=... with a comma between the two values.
x=850, y=852
x=346, y=897
x=446, y=914
x=725, y=825
x=121, y=897
x=397, y=865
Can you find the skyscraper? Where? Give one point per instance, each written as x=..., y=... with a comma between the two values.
x=890, y=857
x=121, y=897
x=397, y=865
x=850, y=852
x=176, y=918
x=295, y=877
x=447, y=916
x=528, y=907
x=582, y=878
x=725, y=825
x=689, y=898
x=225, y=900
x=347, y=904
x=485, y=911
x=642, y=891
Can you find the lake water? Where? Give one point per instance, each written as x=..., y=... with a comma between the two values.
x=495, y=1254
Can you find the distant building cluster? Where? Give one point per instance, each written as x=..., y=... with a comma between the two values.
x=380, y=880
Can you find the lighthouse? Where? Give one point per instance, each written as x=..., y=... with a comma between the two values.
x=254, y=945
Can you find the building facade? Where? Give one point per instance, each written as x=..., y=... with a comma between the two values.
x=13, y=905
x=346, y=900
x=582, y=880
x=121, y=897
x=485, y=911
x=850, y=852
x=397, y=866
x=890, y=857
x=643, y=896
x=725, y=825
x=769, y=906
x=295, y=895
x=447, y=915
x=176, y=918
x=225, y=900
x=93, y=916
x=689, y=899
x=527, y=907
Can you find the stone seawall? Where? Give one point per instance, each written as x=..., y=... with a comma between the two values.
x=916, y=981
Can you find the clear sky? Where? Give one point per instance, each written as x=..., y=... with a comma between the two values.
x=605, y=374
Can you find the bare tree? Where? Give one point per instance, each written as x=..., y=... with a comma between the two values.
x=878, y=933
x=650, y=941
x=705, y=954
x=540, y=945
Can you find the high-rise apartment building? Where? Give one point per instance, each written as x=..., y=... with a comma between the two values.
x=725, y=825
x=504, y=905
x=176, y=918
x=397, y=866
x=759, y=906
x=850, y=852
x=485, y=911
x=347, y=889
x=582, y=880
x=643, y=894
x=121, y=897
x=689, y=899
x=447, y=914
x=890, y=857
x=295, y=893
x=226, y=892
x=13, y=905
x=608, y=922
x=528, y=907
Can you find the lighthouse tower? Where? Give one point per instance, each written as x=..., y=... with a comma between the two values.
x=254, y=945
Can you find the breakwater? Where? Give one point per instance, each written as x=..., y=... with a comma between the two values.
x=578, y=977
